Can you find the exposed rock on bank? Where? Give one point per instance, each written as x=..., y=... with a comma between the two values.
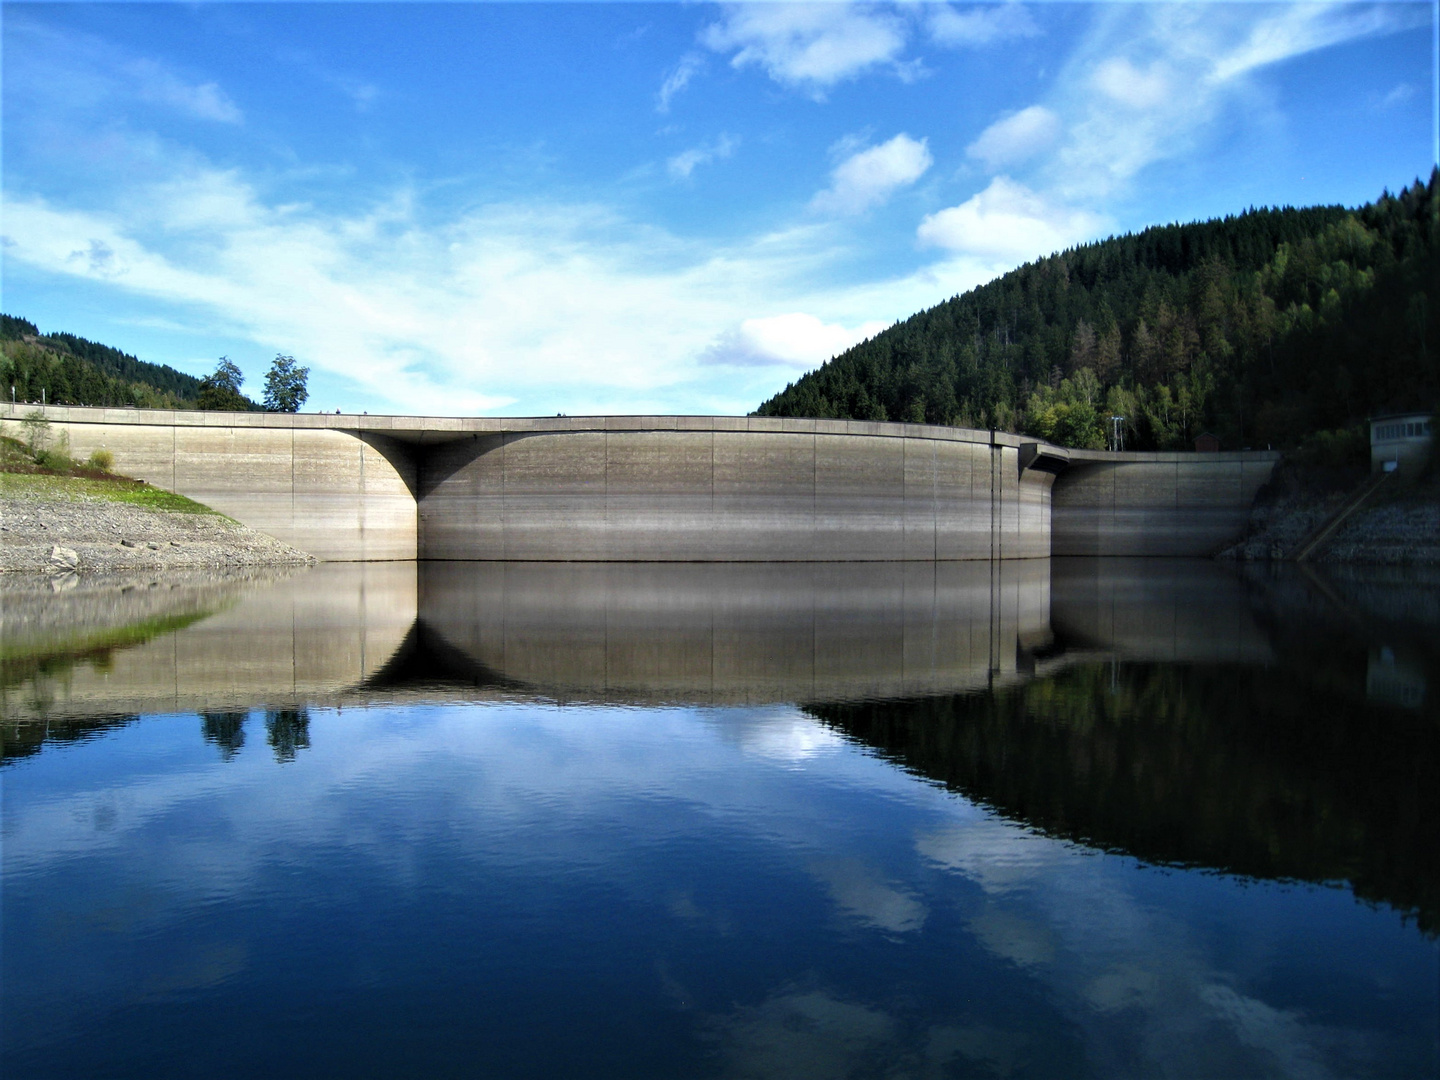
x=84, y=534
x=1398, y=526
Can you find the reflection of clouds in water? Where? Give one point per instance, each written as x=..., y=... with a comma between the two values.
x=1278, y=1033
x=1123, y=986
x=859, y=892
x=787, y=736
x=995, y=854
x=1012, y=936
x=579, y=786
x=999, y=1053
x=800, y=1035
x=570, y=778
x=1060, y=914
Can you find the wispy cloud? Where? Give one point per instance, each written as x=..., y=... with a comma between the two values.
x=810, y=46
x=814, y=46
x=1134, y=95
x=536, y=301
x=70, y=70
x=1401, y=92
x=1303, y=28
x=690, y=65
x=979, y=25
x=684, y=163
x=1016, y=138
x=1146, y=85
x=160, y=86
x=869, y=177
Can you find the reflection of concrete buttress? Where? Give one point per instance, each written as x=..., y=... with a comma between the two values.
x=670, y=489
x=714, y=633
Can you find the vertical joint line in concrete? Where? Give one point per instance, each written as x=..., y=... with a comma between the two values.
x=361, y=507
x=504, y=483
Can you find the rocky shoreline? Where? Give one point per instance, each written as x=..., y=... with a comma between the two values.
x=1400, y=526
x=87, y=535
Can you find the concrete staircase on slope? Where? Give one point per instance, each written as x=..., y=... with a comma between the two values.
x=1331, y=525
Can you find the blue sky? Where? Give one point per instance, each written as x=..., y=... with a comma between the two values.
x=524, y=209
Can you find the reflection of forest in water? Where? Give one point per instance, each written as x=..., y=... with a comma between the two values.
x=286, y=731
x=1277, y=724
x=1319, y=765
x=1252, y=771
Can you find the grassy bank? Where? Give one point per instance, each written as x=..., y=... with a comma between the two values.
x=119, y=489
x=28, y=470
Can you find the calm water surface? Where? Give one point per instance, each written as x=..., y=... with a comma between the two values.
x=1056, y=818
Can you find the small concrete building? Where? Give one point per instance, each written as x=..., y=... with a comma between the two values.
x=1401, y=441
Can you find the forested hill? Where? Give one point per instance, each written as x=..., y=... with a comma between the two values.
x=1266, y=328
x=73, y=371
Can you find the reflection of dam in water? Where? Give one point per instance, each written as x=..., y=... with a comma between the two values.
x=116, y=648
x=707, y=633
x=1177, y=711
x=737, y=633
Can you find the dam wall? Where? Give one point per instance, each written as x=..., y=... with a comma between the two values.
x=1156, y=504
x=718, y=495
x=322, y=490
x=667, y=489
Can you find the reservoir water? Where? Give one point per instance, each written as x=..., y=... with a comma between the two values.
x=1046, y=818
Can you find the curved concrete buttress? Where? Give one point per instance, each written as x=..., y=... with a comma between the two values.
x=728, y=496
x=324, y=491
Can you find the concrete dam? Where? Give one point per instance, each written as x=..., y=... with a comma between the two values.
x=669, y=488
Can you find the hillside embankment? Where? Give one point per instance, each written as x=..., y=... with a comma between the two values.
x=64, y=525
x=1399, y=525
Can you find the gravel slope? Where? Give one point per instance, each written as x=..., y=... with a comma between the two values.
x=87, y=534
x=1401, y=527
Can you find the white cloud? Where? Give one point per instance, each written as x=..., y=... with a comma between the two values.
x=794, y=340
x=558, y=306
x=1009, y=221
x=54, y=70
x=812, y=45
x=159, y=86
x=983, y=24
x=859, y=892
x=1401, y=92
x=1122, y=82
x=691, y=64
x=1149, y=81
x=361, y=93
x=1016, y=138
x=869, y=177
x=684, y=163
x=1303, y=28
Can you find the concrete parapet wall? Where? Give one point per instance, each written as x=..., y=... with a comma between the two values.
x=669, y=488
